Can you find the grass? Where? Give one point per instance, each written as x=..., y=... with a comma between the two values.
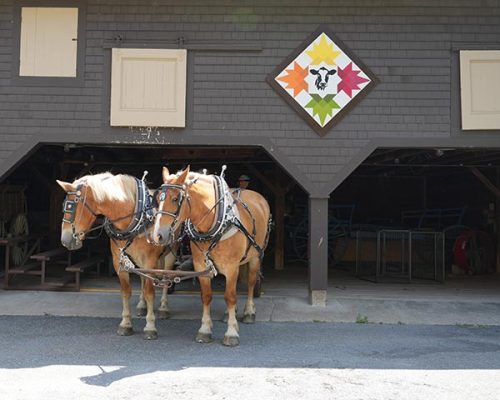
x=362, y=319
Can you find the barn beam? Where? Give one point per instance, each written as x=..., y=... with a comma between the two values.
x=279, y=190
x=318, y=250
x=496, y=192
x=485, y=181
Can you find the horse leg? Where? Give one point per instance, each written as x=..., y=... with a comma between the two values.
x=149, y=295
x=253, y=271
x=140, y=309
x=125, y=327
x=231, y=337
x=242, y=277
x=163, y=311
x=204, y=334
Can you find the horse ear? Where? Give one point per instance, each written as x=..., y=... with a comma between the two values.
x=67, y=187
x=182, y=177
x=165, y=174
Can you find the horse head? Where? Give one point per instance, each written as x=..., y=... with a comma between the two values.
x=79, y=213
x=171, y=205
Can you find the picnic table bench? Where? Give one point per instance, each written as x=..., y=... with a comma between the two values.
x=49, y=255
x=83, y=266
x=36, y=263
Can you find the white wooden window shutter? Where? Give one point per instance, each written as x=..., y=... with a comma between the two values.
x=48, y=41
x=480, y=89
x=148, y=87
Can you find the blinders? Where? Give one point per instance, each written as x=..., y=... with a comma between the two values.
x=161, y=193
x=69, y=207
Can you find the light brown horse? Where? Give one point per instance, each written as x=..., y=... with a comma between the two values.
x=114, y=197
x=189, y=196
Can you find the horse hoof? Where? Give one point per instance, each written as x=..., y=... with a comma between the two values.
x=204, y=337
x=150, y=335
x=162, y=314
x=248, y=319
x=141, y=312
x=231, y=341
x=125, y=331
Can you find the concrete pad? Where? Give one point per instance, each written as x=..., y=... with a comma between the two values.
x=414, y=308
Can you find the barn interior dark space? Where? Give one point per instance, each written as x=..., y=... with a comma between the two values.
x=392, y=189
x=38, y=173
x=399, y=192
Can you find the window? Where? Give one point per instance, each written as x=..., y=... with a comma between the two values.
x=48, y=45
x=148, y=87
x=480, y=89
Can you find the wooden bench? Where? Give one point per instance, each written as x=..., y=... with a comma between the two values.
x=49, y=255
x=84, y=265
x=22, y=269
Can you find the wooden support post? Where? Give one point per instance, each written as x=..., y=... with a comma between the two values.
x=318, y=250
x=496, y=192
x=279, y=226
x=279, y=190
x=497, y=223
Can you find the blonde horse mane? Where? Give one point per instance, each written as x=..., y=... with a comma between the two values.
x=106, y=186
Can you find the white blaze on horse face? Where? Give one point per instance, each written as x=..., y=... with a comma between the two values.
x=67, y=239
x=157, y=225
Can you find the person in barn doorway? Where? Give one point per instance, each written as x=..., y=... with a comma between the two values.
x=243, y=181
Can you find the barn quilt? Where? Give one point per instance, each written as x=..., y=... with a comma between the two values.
x=322, y=80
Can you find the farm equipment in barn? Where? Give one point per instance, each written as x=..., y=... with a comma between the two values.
x=14, y=222
x=339, y=230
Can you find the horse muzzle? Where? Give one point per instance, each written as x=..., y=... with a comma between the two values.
x=70, y=242
x=161, y=236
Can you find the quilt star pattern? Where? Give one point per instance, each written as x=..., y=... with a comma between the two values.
x=322, y=80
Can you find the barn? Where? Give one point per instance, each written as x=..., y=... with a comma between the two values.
x=371, y=127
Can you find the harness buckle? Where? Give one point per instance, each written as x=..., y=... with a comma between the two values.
x=210, y=264
x=125, y=263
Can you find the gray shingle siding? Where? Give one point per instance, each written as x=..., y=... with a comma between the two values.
x=407, y=44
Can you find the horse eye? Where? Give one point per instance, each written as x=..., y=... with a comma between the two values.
x=174, y=199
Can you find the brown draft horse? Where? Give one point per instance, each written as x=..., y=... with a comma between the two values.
x=114, y=197
x=192, y=197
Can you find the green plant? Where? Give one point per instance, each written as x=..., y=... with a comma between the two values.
x=361, y=319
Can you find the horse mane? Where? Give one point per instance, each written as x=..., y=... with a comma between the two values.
x=106, y=186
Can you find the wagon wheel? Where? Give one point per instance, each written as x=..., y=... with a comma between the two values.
x=300, y=240
x=337, y=242
x=19, y=227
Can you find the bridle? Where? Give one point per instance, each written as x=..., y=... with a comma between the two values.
x=70, y=207
x=162, y=195
x=141, y=216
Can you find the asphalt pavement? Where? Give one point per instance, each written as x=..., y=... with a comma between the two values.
x=47, y=357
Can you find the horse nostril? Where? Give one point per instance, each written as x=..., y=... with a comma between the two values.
x=160, y=237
